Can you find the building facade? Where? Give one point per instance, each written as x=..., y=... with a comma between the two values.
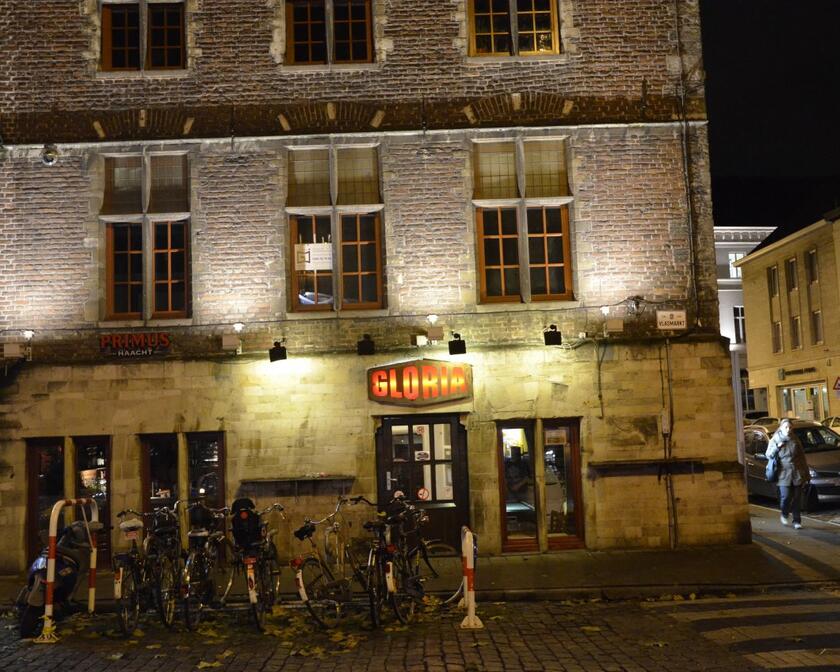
x=790, y=294
x=186, y=187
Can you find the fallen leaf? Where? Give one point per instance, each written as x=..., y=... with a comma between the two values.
x=204, y=664
x=590, y=628
x=153, y=646
x=227, y=653
x=115, y=656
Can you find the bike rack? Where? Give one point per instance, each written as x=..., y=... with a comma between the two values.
x=48, y=635
x=468, y=548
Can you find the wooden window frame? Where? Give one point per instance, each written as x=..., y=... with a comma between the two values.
x=523, y=544
x=329, y=36
x=482, y=262
x=558, y=542
x=293, y=237
x=567, y=252
x=147, y=221
x=513, y=32
x=182, y=48
x=168, y=281
x=357, y=275
x=144, y=29
x=522, y=205
x=336, y=212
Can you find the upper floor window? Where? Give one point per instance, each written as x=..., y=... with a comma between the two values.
x=791, y=277
x=521, y=197
x=773, y=281
x=740, y=324
x=329, y=31
x=143, y=35
x=812, y=269
x=776, y=336
x=145, y=210
x=513, y=27
x=735, y=271
x=334, y=205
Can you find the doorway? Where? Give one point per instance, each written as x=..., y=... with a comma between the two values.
x=425, y=458
x=45, y=486
x=93, y=480
x=807, y=402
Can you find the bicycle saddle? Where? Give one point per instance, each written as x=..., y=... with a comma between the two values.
x=132, y=525
x=375, y=525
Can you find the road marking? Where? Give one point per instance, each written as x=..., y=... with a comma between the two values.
x=830, y=606
x=797, y=658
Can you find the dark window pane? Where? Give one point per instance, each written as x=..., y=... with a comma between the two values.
x=178, y=296
x=511, y=251
x=136, y=294
x=351, y=289
x=555, y=250
x=482, y=6
x=491, y=222
x=368, y=254
x=538, y=281
x=158, y=36
x=536, y=251
x=509, y=222
x=359, y=51
x=358, y=11
x=301, y=12
x=121, y=299
x=348, y=229
x=526, y=42
x=173, y=37
x=325, y=284
x=526, y=22
x=136, y=267
x=120, y=238
x=483, y=44
x=535, y=220
x=482, y=24
x=134, y=59
x=118, y=38
x=178, y=236
x=543, y=21
x=342, y=11
x=491, y=253
x=161, y=266
x=305, y=232
x=542, y=5
x=132, y=19
x=158, y=58
x=501, y=44
x=322, y=228
x=301, y=53
x=524, y=5
x=367, y=224
x=319, y=53
x=554, y=222
x=511, y=281
x=118, y=59
x=178, y=266
x=342, y=51
x=318, y=11
x=342, y=31
x=136, y=237
x=501, y=23
x=500, y=5
x=494, y=282
x=369, y=293
x=161, y=236
x=349, y=259
x=318, y=32
x=161, y=298
x=121, y=268
x=301, y=33
x=556, y=281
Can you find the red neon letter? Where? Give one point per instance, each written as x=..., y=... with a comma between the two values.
x=430, y=382
x=459, y=380
x=392, y=379
x=379, y=384
x=411, y=382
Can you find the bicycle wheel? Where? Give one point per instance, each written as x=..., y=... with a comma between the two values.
x=408, y=588
x=194, y=588
x=167, y=590
x=273, y=565
x=221, y=558
x=323, y=599
x=377, y=589
x=262, y=585
x=128, y=605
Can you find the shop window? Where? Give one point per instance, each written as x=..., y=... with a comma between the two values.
x=329, y=31
x=160, y=23
x=336, y=235
x=206, y=458
x=160, y=471
x=145, y=211
x=513, y=27
x=521, y=197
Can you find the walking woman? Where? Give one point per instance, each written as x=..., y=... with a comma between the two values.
x=793, y=472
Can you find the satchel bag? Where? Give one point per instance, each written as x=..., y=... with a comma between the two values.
x=771, y=471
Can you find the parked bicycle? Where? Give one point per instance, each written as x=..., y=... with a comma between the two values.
x=325, y=577
x=208, y=569
x=256, y=554
x=149, y=575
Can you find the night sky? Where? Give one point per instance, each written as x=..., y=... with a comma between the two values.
x=773, y=94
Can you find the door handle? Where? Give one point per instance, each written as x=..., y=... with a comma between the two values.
x=388, y=481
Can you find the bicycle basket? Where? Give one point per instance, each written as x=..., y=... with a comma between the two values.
x=246, y=527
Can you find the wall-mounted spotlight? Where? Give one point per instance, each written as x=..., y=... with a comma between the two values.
x=238, y=327
x=551, y=336
x=278, y=352
x=366, y=346
x=49, y=155
x=28, y=334
x=605, y=310
x=456, y=345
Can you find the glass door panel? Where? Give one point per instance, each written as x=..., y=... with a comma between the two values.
x=519, y=512
x=160, y=482
x=93, y=478
x=207, y=467
x=561, y=467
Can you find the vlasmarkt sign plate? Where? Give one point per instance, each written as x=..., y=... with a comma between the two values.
x=670, y=320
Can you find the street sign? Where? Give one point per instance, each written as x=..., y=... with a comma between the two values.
x=669, y=320
x=837, y=384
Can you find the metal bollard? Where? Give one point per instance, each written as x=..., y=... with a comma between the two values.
x=470, y=621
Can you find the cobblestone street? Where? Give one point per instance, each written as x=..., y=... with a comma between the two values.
x=670, y=634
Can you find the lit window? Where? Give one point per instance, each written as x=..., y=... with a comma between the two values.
x=791, y=277
x=777, y=336
x=812, y=269
x=816, y=327
x=147, y=248
x=310, y=23
x=740, y=324
x=162, y=23
x=735, y=271
x=523, y=238
x=336, y=238
x=795, y=333
x=773, y=281
x=513, y=27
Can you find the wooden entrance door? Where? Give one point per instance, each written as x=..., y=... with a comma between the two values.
x=45, y=485
x=425, y=457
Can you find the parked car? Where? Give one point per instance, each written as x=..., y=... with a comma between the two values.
x=754, y=415
x=822, y=449
x=766, y=421
x=832, y=422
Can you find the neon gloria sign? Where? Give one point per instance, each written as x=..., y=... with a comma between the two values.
x=420, y=382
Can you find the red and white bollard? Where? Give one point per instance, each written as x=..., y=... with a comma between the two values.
x=48, y=635
x=468, y=565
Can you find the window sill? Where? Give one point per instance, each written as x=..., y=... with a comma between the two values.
x=537, y=58
x=143, y=74
x=136, y=324
x=535, y=306
x=346, y=314
x=330, y=67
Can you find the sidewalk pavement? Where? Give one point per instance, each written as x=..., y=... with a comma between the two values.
x=779, y=558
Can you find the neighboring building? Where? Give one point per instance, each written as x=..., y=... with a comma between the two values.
x=309, y=172
x=793, y=322
x=733, y=243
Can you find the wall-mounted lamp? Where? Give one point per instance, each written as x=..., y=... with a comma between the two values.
x=605, y=310
x=456, y=345
x=551, y=336
x=238, y=327
x=432, y=319
x=278, y=352
x=366, y=346
x=49, y=155
x=634, y=305
x=28, y=334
